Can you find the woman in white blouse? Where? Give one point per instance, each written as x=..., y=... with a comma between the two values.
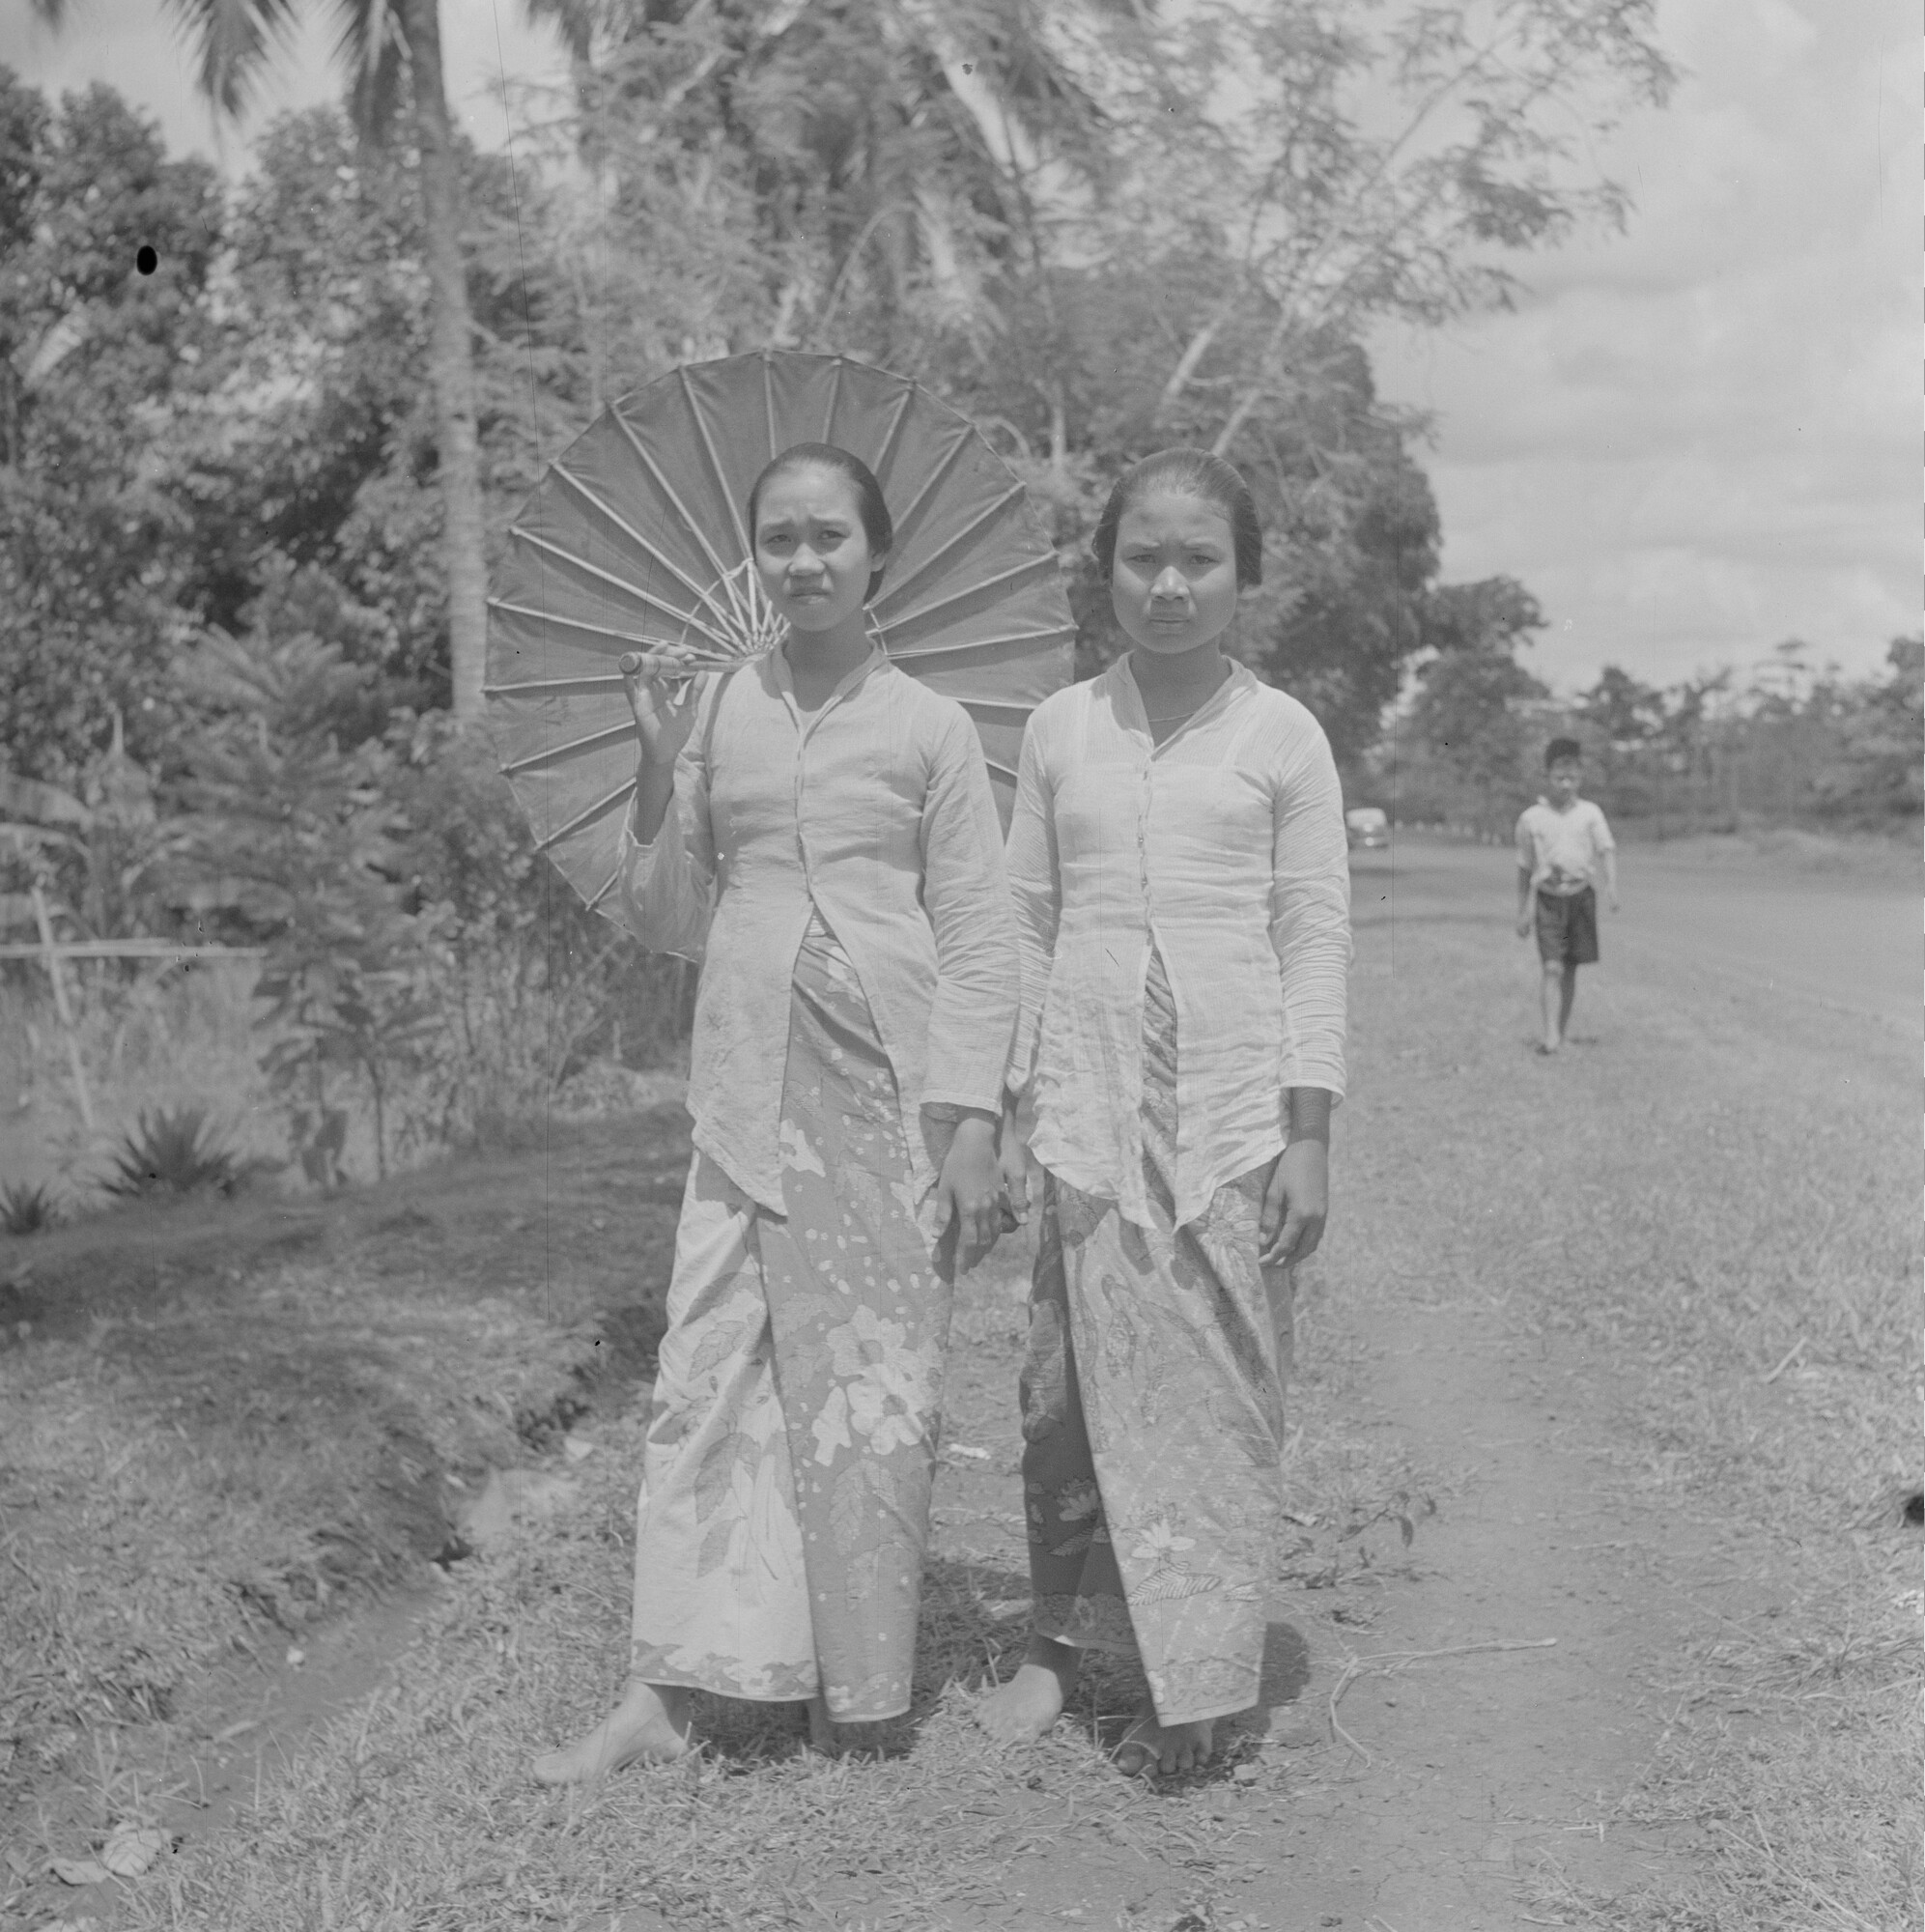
x=817, y=829
x=1182, y=899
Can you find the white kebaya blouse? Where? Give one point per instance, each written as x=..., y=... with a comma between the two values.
x=877, y=806
x=1226, y=844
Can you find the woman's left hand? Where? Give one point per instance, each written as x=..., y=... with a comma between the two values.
x=1296, y=1204
x=970, y=1192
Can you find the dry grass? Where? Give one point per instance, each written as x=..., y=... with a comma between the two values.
x=1870, y=855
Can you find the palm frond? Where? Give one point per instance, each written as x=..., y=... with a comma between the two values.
x=233, y=39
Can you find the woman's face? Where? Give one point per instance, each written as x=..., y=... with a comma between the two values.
x=810, y=548
x=1173, y=584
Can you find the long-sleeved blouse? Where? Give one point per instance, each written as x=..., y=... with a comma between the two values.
x=1224, y=844
x=877, y=808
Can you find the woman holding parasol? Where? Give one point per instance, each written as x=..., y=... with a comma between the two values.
x=1179, y=864
x=818, y=829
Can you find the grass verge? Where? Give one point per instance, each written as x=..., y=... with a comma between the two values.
x=223, y=1420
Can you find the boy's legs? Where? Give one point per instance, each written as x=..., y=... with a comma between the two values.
x=1558, y=991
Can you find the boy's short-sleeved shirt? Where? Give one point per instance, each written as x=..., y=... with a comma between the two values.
x=1563, y=848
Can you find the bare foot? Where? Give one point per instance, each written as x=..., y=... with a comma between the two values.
x=648, y=1723
x=821, y=1726
x=1148, y=1746
x=1548, y=1046
x=1023, y=1708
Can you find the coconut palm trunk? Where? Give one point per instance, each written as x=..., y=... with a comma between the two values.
x=450, y=360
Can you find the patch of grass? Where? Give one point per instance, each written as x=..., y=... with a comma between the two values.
x=229, y=1420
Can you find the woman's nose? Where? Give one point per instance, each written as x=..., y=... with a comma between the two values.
x=1170, y=583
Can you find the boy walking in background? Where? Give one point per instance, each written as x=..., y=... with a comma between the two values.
x=1562, y=843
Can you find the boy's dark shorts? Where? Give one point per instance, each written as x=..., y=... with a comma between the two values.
x=1568, y=928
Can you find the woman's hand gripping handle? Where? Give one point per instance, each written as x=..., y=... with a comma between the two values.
x=661, y=687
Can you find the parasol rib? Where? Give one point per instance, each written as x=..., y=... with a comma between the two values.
x=901, y=418
x=983, y=643
x=601, y=808
x=581, y=623
x=608, y=886
x=957, y=445
x=556, y=687
x=769, y=401
x=1010, y=496
x=834, y=398
x=668, y=490
x=595, y=741
x=970, y=590
x=686, y=618
x=628, y=531
x=715, y=462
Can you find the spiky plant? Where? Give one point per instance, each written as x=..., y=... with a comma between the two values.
x=173, y=1152
x=28, y=1211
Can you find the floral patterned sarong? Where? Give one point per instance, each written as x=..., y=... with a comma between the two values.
x=1153, y=1418
x=792, y=1439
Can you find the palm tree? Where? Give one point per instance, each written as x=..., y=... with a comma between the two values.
x=391, y=52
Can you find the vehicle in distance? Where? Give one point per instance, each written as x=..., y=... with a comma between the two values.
x=1367, y=826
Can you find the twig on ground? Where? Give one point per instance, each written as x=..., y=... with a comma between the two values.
x=1790, y=1355
x=1388, y=1662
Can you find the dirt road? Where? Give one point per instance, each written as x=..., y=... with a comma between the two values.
x=1850, y=943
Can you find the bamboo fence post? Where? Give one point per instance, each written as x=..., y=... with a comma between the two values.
x=61, y=1006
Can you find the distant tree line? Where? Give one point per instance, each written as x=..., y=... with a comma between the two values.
x=1787, y=742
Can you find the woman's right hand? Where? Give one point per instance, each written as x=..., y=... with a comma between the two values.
x=663, y=708
x=1014, y=1161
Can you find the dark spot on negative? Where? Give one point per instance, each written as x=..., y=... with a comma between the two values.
x=1914, y=1508
x=146, y=260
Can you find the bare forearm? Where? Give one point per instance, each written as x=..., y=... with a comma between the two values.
x=1523, y=889
x=654, y=790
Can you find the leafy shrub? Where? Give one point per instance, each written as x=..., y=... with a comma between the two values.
x=28, y=1211
x=171, y=1151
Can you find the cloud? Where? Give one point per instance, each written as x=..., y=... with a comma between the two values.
x=1701, y=436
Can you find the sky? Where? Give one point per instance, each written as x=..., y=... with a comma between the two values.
x=1691, y=441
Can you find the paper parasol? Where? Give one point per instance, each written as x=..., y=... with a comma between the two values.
x=637, y=536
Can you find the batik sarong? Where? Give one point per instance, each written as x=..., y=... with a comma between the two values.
x=792, y=1437
x=1152, y=1400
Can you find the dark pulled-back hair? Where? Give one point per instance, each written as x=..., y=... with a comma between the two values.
x=1190, y=472
x=1561, y=749
x=870, y=504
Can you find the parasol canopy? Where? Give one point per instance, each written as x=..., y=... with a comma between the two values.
x=637, y=537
